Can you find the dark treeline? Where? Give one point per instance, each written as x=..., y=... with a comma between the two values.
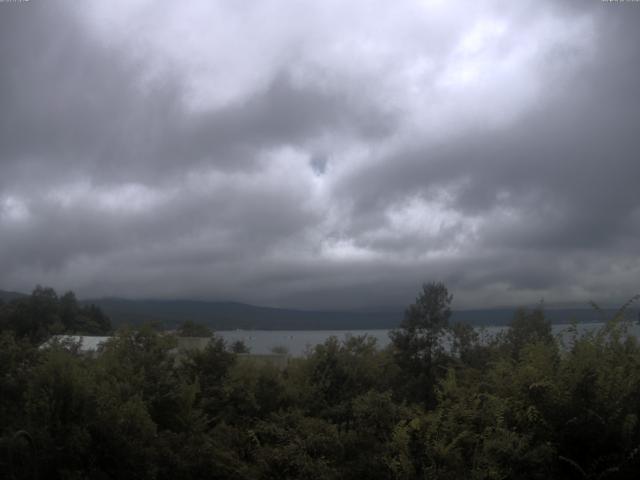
x=520, y=406
x=44, y=313
x=229, y=315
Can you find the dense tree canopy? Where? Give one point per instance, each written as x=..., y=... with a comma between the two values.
x=418, y=346
x=518, y=406
x=190, y=328
x=43, y=313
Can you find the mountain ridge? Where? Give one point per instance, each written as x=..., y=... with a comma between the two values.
x=237, y=315
x=7, y=296
x=231, y=315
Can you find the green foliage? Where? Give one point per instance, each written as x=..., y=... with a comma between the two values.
x=280, y=350
x=209, y=369
x=193, y=329
x=43, y=313
x=527, y=327
x=17, y=361
x=239, y=347
x=337, y=372
x=296, y=446
x=417, y=344
x=521, y=406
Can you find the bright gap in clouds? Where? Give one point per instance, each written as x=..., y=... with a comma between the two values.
x=13, y=209
x=225, y=52
x=123, y=199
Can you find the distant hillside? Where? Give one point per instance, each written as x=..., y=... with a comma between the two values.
x=503, y=316
x=8, y=296
x=230, y=315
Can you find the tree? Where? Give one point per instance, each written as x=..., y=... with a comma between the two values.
x=279, y=350
x=68, y=308
x=210, y=369
x=417, y=343
x=33, y=317
x=91, y=320
x=43, y=313
x=527, y=327
x=239, y=347
x=189, y=328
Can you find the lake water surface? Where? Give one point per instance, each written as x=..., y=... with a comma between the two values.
x=298, y=342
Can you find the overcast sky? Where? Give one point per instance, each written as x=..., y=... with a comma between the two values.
x=321, y=154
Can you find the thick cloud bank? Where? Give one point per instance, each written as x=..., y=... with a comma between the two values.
x=321, y=154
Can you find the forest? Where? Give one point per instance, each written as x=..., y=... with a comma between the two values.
x=440, y=402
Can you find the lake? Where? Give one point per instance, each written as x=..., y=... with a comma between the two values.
x=298, y=342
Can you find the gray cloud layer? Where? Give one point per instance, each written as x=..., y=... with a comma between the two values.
x=319, y=154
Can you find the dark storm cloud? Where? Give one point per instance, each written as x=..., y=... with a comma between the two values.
x=72, y=105
x=321, y=162
x=568, y=171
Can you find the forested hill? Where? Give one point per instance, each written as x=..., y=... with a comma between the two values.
x=8, y=296
x=229, y=315
x=232, y=315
